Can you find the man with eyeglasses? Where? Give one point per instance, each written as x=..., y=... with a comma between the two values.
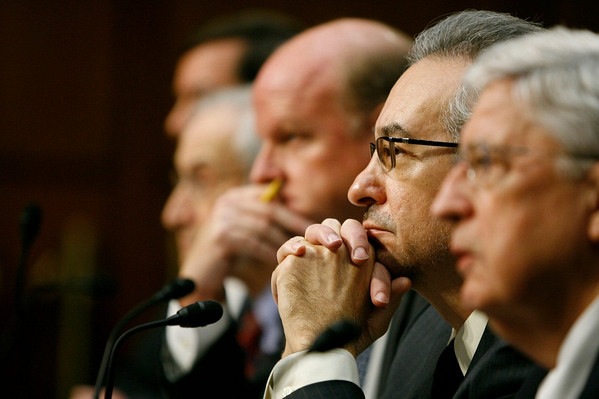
x=313, y=95
x=321, y=280
x=524, y=199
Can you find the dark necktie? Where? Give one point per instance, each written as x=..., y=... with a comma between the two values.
x=248, y=337
x=448, y=375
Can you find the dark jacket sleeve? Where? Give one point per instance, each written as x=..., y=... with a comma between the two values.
x=334, y=389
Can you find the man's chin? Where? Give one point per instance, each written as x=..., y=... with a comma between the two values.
x=395, y=268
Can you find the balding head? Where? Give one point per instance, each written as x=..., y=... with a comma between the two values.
x=360, y=59
x=316, y=100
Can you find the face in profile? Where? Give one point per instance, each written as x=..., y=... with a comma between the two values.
x=407, y=239
x=311, y=142
x=521, y=222
x=205, y=166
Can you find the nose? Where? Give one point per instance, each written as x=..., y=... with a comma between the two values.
x=452, y=201
x=178, y=210
x=366, y=189
x=176, y=118
x=265, y=168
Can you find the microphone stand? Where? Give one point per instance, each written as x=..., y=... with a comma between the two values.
x=16, y=348
x=117, y=343
x=197, y=314
x=29, y=224
x=174, y=290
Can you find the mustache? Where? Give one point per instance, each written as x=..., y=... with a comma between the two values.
x=380, y=220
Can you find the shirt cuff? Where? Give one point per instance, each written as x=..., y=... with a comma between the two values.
x=303, y=368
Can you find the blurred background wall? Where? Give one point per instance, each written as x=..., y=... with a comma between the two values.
x=84, y=89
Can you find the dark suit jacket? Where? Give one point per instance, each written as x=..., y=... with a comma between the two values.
x=141, y=375
x=496, y=371
x=221, y=370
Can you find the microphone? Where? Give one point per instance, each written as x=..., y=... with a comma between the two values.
x=174, y=290
x=336, y=335
x=29, y=226
x=198, y=314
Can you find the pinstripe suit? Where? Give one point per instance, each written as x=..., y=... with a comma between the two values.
x=496, y=370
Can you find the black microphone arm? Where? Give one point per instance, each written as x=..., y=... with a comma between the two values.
x=29, y=226
x=198, y=314
x=15, y=346
x=174, y=290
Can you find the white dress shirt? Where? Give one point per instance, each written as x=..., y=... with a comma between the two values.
x=188, y=344
x=574, y=359
x=301, y=369
x=373, y=370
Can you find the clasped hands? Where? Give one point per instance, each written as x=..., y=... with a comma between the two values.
x=239, y=237
x=329, y=275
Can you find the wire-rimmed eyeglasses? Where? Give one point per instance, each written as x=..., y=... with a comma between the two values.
x=387, y=151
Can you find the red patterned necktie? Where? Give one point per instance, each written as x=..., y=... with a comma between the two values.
x=248, y=337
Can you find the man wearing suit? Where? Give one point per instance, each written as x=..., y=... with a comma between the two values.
x=336, y=273
x=525, y=202
x=315, y=91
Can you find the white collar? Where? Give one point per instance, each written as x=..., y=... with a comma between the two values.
x=468, y=337
x=575, y=357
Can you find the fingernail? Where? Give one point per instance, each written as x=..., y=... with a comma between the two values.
x=360, y=253
x=381, y=297
x=332, y=238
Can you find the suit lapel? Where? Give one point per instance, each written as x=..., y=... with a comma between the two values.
x=496, y=370
x=423, y=339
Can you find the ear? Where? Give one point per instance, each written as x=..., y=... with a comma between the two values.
x=593, y=203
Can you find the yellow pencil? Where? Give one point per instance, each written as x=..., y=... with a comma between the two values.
x=271, y=191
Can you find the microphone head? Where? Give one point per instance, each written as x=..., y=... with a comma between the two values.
x=176, y=289
x=198, y=314
x=336, y=335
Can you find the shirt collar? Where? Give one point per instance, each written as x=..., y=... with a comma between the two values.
x=468, y=337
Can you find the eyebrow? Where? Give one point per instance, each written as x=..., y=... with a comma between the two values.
x=394, y=129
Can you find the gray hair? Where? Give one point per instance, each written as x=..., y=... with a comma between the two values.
x=556, y=74
x=245, y=139
x=465, y=35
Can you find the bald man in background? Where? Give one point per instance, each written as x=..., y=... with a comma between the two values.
x=316, y=100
